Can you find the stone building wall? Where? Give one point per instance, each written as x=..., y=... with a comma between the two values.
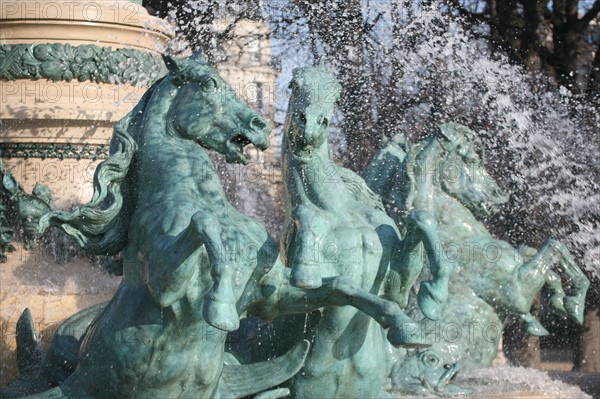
x=245, y=62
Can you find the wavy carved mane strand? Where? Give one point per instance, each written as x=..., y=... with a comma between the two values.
x=100, y=227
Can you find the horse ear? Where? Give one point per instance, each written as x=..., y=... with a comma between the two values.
x=340, y=90
x=171, y=63
x=296, y=81
x=198, y=57
x=321, y=63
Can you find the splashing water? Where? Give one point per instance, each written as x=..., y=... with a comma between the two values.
x=491, y=381
x=543, y=142
x=545, y=146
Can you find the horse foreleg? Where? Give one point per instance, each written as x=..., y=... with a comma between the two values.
x=166, y=272
x=558, y=293
x=277, y=297
x=219, y=309
x=533, y=326
x=574, y=304
x=433, y=294
x=303, y=249
x=539, y=268
x=405, y=268
x=403, y=331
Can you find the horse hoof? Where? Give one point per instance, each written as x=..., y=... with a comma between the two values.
x=407, y=335
x=556, y=303
x=574, y=308
x=221, y=315
x=306, y=276
x=536, y=329
x=431, y=302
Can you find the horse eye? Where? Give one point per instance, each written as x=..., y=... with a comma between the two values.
x=209, y=84
x=325, y=122
x=302, y=118
x=178, y=79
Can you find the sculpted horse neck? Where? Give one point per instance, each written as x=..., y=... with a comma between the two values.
x=309, y=173
x=440, y=166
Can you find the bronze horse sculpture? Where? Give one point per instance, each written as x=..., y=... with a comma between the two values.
x=445, y=174
x=337, y=227
x=192, y=264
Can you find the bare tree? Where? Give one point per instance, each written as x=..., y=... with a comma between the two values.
x=543, y=35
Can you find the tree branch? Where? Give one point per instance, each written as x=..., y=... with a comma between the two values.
x=591, y=14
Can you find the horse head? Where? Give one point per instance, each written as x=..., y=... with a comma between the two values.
x=206, y=110
x=314, y=94
x=462, y=172
x=200, y=107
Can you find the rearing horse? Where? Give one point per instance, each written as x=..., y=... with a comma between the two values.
x=191, y=262
x=337, y=227
x=445, y=174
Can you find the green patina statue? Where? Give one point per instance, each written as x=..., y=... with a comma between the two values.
x=337, y=227
x=192, y=264
x=445, y=174
x=19, y=210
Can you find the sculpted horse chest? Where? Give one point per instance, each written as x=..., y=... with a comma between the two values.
x=343, y=349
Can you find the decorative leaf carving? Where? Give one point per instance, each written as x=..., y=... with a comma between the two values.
x=86, y=62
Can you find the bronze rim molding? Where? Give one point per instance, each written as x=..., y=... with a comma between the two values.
x=56, y=151
x=58, y=61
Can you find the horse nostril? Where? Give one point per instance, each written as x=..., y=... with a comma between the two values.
x=258, y=124
x=447, y=366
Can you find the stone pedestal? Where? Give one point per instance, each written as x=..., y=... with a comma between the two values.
x=51, y=291
x=70, y=70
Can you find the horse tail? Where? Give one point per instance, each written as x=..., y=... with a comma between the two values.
x=100, y=227
x=240, y=381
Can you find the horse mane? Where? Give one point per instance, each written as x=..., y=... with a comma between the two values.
x=452, y=131
x=101, y=226
x=359, y=189
x=301, y=78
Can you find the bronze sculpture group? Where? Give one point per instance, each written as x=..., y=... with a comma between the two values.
x=341, y=256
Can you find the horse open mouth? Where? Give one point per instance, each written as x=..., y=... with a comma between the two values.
x=241, y=141
x=303, y=156
x=238, y=144
x=302, y=152
x=483, y=209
